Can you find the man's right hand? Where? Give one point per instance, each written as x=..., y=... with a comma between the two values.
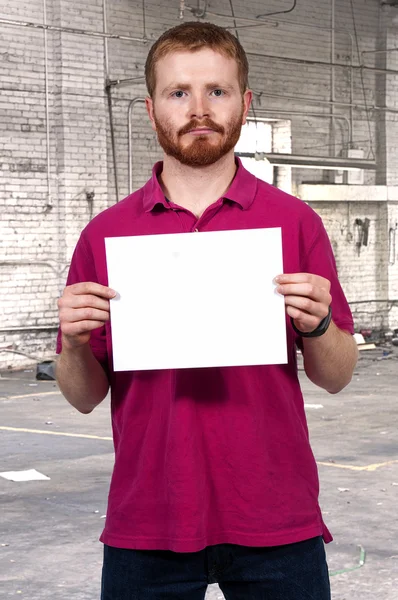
x=82, y=308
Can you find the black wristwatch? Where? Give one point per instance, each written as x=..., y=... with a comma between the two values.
x=320, y=330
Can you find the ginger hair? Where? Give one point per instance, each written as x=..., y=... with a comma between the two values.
x=191, y=37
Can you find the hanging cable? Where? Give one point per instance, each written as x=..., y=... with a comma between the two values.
x=237, y=36
x=362, y=80
x=280, y=12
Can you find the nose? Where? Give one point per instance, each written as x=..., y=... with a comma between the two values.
x=199, y=107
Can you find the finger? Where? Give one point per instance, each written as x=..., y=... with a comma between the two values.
x=74, y=315
x=305, y=289
x=303, y=278
x=73, y=329
x=308, y=306
x=302, y=320
x=89, y=287
x=77, y=301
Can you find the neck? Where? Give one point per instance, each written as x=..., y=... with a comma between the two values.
x=196, y=188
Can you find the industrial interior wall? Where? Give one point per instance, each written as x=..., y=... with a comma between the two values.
x=364, y=235
x=57, y=164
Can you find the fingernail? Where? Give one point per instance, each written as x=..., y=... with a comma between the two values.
x=277, y=279
x=112, y=293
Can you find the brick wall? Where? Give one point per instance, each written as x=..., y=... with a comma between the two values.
x=368, y=268
x=41, y=216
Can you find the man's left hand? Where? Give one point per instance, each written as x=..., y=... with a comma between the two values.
x=307, y=298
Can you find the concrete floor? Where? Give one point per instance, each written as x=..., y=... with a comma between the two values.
x=49, y=529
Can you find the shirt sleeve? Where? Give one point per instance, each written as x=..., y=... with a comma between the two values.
x=320, y=260
x=82, y=269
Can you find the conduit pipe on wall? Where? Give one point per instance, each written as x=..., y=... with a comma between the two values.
x=322, y=63
x=72, y=30
x=30, y=263
x=133, y=102
x=45, y=40
x=27, y=329
x=105, y=27
x=332, y=148
x=387, y=51
x=108, y=91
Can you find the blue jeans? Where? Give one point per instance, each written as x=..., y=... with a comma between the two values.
x=291, y=572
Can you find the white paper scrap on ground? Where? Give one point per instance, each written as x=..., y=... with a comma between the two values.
x=189, y=300
x=29, y=475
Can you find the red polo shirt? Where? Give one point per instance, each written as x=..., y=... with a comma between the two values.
x=216, y=455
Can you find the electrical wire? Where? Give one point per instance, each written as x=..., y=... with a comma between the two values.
x=362, y=79
x=237, y=36
x=280, y=12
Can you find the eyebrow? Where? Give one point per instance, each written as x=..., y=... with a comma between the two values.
x=187, y=86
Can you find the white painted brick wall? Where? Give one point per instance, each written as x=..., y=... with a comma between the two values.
x=369, y=273
x=41, y=238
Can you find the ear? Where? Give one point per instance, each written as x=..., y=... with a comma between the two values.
x=149, y=108
x=247, y=100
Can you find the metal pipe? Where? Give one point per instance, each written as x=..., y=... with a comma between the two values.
x=332, y=148
x=72, y=30
x=113, y=140
x=49, y=198
x=182, y=8
x=144, y=35
x=105, y=26
x=132, y=103
x=302, y=61
x=18, y=329
x=128, y=81
x=379, y=51
x=310, y=100
x=108, y=91
x=58, y=272
x=312, y=162
x=352, y=89
x=266, y=24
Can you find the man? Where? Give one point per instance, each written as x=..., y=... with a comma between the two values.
x=214, y=478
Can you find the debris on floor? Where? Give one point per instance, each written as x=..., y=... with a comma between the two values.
x=45, y=371
x=362, y=345
x=29, y=475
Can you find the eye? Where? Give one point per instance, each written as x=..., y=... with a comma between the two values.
x=218, y=93
x=178, y=94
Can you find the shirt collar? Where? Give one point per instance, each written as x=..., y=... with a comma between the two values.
x=242, y=189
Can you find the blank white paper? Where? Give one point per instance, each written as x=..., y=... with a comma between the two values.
x=202, y=299
x=29, y=475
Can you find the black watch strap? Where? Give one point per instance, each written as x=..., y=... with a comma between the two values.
x=320, y=330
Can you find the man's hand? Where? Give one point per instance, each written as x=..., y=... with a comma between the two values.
x=307, y=298
x=82, y=308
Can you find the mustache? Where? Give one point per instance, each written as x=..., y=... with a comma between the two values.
x=195, y=124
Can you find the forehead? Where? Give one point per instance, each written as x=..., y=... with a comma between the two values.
x=199, y=66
